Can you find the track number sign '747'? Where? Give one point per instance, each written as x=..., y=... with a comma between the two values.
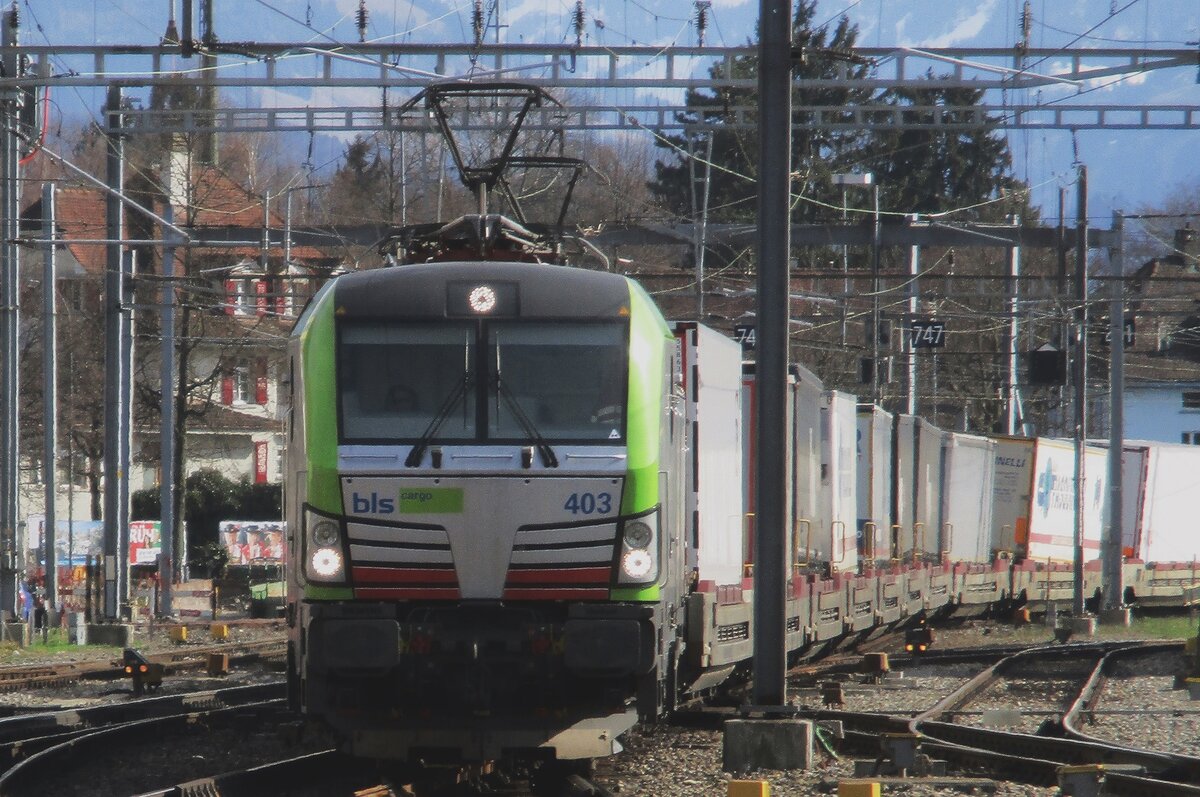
x=927, y=334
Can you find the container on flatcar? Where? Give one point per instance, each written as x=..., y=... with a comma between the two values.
x=1034, y=498
x=904, y=470
x=712, y=366
x=970, y=464
x=808, y=512
x=927, y=526
x=1165, y=482
x=836, y=543
x=874, y=484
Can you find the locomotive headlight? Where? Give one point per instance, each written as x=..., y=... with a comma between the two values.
x=638, y=534
x=325, y=533
x=326, y=562
x=482, y=299
x=639, y=550
x=637, y=564
x=323, y=557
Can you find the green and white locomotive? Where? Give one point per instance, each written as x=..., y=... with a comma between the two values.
x=486, y=489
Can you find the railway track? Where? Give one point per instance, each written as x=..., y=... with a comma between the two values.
x=1038, y=756
x=329, y=773
x=26, y=735
x=14, y=679
x=1067, y=679
x=119, y=759
x=102, y=749
x=52, y=745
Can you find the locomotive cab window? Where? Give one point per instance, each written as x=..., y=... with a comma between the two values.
x=566, y=379
x=396, y=379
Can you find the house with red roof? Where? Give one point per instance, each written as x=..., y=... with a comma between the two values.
x=236, y=302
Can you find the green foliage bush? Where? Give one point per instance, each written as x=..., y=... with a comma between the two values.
x=210, y=497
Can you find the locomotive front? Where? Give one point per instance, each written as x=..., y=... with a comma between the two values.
x=483, y=563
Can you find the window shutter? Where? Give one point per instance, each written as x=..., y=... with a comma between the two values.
x=260, y=383
x=231, y=296
x=227, y=390
x=260, y=462
x=261, y=300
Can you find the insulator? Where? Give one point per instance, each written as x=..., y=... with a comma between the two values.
x=361, y=18
x=578, y=22
x=477, y=22
x=702, y=7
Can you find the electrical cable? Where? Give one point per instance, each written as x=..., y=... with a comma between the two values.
x=42, y=133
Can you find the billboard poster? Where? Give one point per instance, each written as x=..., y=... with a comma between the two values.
x=145, y=541
x=80, y=539
x=77, y=539
x=253, y=541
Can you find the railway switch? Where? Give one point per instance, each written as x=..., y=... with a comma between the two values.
x=145, y=674
x=900, y=754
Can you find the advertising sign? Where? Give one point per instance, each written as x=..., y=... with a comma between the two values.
x=253, y=541
x=75, y=541
x=145, y=541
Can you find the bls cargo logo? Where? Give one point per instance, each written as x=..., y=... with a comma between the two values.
x=409, y=501
x=371, y=504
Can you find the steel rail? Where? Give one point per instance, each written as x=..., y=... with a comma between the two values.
x=16, y=678
x=1180, y=767
x=28, y=776
x=23, y=726
x=323, y=766
x=273, y=778
x=1038, y=758
x=24, y=736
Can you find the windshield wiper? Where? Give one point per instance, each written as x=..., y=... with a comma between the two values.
x=456, y=395
x=510, y=401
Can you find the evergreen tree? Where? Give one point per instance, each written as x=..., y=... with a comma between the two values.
x=816, y=154
x=917, y=170
x=930, y=170
x=360, y=185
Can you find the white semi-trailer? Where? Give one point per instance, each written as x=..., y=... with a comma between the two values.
x=970, y=462
x=1034, y=499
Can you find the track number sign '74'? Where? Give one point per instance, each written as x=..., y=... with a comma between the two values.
x=746, y=335
x=927, y=334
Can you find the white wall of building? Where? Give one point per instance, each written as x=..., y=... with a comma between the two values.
x=1158, y=412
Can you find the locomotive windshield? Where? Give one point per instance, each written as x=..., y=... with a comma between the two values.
x=500, y=381
x=569, y=380
x=395, y=378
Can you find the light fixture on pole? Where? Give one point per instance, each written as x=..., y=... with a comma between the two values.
x=864, y=180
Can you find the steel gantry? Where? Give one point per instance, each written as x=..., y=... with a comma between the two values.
x=592, y=74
